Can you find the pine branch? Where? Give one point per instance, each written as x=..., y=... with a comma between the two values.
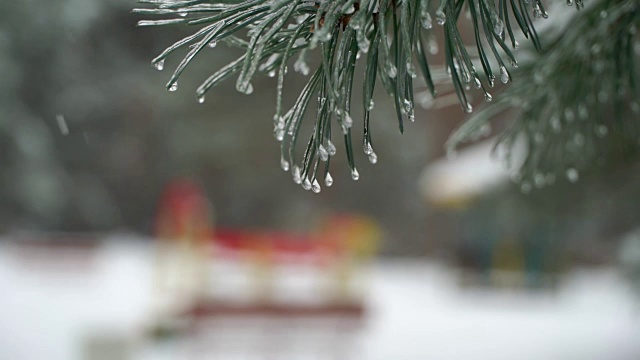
x=387, y=35
x=579, y=100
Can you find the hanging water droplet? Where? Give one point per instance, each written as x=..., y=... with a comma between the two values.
x=354, y=174
x=433, y=45
x=556, y=124
x=498, y=26
x=306, y=184
x=426, y=20
x=488, y=97
x=468, y=108
x=539, y=179
x=212, y=44
x=370, y=106
x=182, y=14
x=358, y=54
x=604, y=14
x=328, y=180
x=536, y=11
x=441, y=18
x=570, y=2
x=272, y=73
x=373, y=158
x=284, y=164
x=572, y=175
x=368, y=149
x=514, y=63
x=173, y=87
x=201, y=99
x=315, y=186
x=602, y=130
x=569, y=115
x=504, y=74
x=280, y=134
x=516, y=44
x=392, y=71
x=348, y=121
x=324, y=155
x=477, y=82
x=331, y=149
x=297, y=177
x=158, y=65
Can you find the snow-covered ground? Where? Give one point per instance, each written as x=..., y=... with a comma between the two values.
x=417, y=311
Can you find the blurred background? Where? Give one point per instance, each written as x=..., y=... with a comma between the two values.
x=139, y=224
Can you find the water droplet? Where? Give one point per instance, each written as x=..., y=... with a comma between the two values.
x=280, y=134
x=212, y=44
x=572, y=175
x=297, y=177
x=284, y=164
x=331, y=149
x=498, y=26
x=182, y=14
x=201, y=99
x=62, y=124
x=433, y=45
x=556, y=125
x=426, y=21
x=158, y=65
x=569, y=115
x=368, y=149
x=514, y=63
x=504, y=74
x=328, y=180
x=602, y=130
x=539, y=179
x=306, y=184
x=468, y=108
x=272, y=73
x=537, y=13
x=516, y=44
x=348, y=121
x=173, y=87
x=604, y=14
x=373, y=158
x=477, y=82
x=354, y=174
x=392, y=71
x=570, y=2
x=441, y=18
x=249, y=89
x=324, y=155
x=315, y=186
x=488, y=97
x=370, y=106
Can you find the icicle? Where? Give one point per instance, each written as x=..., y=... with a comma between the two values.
x=328, y=180
x=297, y=177
x=284, y=164
x=158, y=65
x=315, y=186
x=354, y=174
